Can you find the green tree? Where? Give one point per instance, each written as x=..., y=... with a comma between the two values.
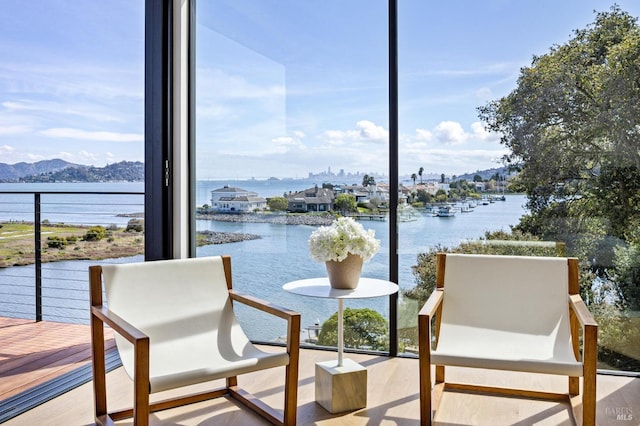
x=571, y=126
x=442, y=178
x=346, y=202
x=368, y=180
x=424, y=196
x=278, y=203
x=420, y=171
x=364, y=328
x=413, y=178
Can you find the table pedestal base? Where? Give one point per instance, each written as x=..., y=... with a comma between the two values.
x=341, y=388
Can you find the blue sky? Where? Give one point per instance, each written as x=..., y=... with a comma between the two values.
x=283, y=87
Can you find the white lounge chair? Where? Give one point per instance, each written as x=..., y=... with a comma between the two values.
x=175, y=326
x=515, y=313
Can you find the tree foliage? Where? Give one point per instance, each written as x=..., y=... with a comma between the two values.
x=572, y=129
x=368, y=180
x=346, y=202
x=278, y=203
x=364, y=328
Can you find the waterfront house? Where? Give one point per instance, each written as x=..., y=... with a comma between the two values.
x=311, y=200
x=229, y=199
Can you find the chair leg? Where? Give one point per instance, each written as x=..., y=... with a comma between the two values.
x=574, y=386
x=141, y=383
x=425, y=391
x=589, y=401
x=232, y=381
x=99, y=367
x=291, y=395
x=439, y=374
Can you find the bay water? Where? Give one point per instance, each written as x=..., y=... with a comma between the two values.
x=260, y=267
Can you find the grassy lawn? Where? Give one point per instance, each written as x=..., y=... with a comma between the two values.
x=17, y=244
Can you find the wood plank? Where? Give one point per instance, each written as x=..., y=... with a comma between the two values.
x=31, y=353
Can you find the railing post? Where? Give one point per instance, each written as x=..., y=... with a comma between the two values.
x=38, y=255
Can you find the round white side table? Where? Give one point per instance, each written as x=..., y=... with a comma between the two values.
x=331, y=379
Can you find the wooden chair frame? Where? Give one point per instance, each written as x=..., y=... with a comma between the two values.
x=100, y=315
x=580, y=317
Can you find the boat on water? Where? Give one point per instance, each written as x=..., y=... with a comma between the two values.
x=446, y=211
x=407, y=213
x=464, y=207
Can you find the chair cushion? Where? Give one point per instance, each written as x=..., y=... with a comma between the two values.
x=506, y=312
x=183, y=306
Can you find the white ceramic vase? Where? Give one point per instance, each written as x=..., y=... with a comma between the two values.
x=346, y=274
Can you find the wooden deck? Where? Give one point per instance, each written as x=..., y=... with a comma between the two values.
x=32, y=353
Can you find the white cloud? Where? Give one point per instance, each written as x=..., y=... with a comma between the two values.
x=81, y=110
x=424, y=135
x=479, y=132
x=65, y=132
x=6, y=149
x=369, y=131
x=284, y=144
x=450, y=133
x=365, y=132
x=14, y=130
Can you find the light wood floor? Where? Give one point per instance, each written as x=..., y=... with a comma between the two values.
x=392, y=399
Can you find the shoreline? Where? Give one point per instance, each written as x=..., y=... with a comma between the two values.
x=277, y=219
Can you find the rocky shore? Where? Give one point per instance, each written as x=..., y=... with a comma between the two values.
x=213, y=237
x=281, y=219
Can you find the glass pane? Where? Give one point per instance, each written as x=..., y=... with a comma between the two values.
x=467, y=81
x=290, y=96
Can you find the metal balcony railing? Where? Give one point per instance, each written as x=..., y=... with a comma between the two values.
x=49, y=238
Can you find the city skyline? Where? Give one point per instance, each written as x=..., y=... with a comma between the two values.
x=270, y=104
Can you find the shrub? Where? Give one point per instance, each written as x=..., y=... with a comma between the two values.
x=95, y=233
x=135, y=225
x=56, y=242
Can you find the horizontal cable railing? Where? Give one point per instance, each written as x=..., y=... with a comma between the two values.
x=49, y=239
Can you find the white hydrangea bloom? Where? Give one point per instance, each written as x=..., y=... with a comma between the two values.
x=344, y=236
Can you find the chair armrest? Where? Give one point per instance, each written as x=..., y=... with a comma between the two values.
x=118, y=324
x=582, y=313
x=432, y=303
x=292, y=317
x=263, y=305
x=589, y=332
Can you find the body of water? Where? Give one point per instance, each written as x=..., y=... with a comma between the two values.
x=262, y=266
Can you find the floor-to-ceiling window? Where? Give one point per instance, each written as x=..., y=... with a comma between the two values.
x=291, y=111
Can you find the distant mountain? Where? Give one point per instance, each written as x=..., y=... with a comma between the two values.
x=124, y=171
x=13, y=172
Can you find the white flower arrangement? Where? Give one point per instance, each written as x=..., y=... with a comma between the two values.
x=342, y=237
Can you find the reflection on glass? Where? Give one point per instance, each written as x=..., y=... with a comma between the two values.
x=291, y=113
